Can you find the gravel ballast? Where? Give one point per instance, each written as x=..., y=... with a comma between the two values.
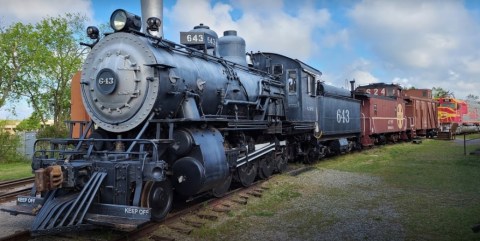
x=327, y=205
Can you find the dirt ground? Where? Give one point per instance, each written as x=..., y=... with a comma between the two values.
x=328, y=205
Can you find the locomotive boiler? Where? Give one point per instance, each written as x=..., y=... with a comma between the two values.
x=179, y=120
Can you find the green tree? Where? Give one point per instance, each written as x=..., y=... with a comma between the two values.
x=48, y=88
x=50, y=54
x=439, y=92
x=12, y=60
x=472, y=97
x=8, y=146
x=32, y=123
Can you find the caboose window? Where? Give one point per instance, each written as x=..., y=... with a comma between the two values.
x=292, y=81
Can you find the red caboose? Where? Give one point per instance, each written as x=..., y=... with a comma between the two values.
x=421, y=112
x=383, y=113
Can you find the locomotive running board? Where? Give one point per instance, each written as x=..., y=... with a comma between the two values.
x=66, y=213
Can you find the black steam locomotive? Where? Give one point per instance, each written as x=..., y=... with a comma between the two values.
x=180, y=119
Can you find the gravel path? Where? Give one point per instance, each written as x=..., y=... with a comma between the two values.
x=333, y=205
x=10, y=224
x=326, y=205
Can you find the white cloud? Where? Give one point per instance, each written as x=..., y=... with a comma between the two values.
x=362, y=77
x=264, y=25
x=432, y=42
x=404, y=82
x=418, y=34
x=31, y=11
x=471, y=64
x=341, y=37
x=360, y=71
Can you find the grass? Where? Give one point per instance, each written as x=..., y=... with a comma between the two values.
x=15, y=170
x=272, y=202
x=432, y=187
x=430, y=165
x=440, y=186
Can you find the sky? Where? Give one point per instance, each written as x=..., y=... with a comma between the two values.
x=414, y=43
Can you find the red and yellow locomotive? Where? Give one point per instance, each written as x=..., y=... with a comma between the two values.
x=458, y=116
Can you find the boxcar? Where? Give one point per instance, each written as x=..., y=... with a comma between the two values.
x=421, y=112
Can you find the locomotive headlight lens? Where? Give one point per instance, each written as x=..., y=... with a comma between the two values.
x=92, y=32
x=154, y=23
x=118, y=20
x=122, y=20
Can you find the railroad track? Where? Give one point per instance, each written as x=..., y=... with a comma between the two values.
x=173, y=217
x=17, y=182
x=176, y=216
x=237, y=195
x=11, y=189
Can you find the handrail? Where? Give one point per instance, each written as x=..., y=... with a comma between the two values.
x=62, y=147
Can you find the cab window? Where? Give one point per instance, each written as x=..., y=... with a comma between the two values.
x=292, y=81
x=311, y=85
x=277, y=69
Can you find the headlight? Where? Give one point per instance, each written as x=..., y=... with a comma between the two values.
x=154, y=24
x=122, y=20
x=92, y=32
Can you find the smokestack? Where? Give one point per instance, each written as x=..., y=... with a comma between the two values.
x=152, y=8
x=352, y=87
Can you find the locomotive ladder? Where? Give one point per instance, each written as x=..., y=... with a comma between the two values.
x=66, y=213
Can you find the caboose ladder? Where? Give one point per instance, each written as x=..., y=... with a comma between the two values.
x=66, y=213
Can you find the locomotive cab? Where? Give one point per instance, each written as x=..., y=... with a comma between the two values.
x=329, y=114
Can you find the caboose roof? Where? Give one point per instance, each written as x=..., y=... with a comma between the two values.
x=378, y=85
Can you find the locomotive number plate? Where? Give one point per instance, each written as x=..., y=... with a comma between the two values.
x=106, y=81
x=197, y=38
